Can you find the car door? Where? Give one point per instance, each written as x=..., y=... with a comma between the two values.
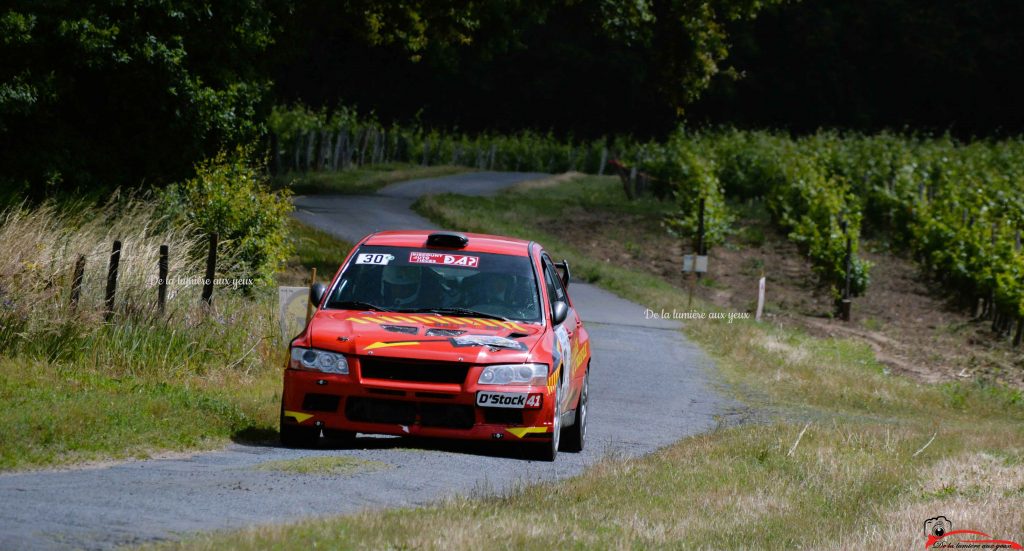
x=566, y=333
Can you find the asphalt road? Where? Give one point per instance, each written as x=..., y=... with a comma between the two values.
x=649, y=388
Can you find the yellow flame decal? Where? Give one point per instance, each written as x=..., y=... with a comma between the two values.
x=298, y=415
x=390, y=344
x=520, y=432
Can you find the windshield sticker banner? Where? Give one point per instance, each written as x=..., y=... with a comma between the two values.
x=444, y=259
x=378, y=259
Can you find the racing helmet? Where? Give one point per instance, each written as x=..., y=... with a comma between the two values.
x=497, y=286
x=401, y=283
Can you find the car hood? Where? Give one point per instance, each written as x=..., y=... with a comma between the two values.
x=424, y=336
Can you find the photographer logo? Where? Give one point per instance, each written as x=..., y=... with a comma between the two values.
x=941, y=535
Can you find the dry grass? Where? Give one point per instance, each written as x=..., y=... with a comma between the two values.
x=861, y=476
x=41, y=246
x=975, y=490
x=78, y=388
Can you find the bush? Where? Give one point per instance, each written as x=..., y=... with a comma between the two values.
x=687, y=172
x=230, y=196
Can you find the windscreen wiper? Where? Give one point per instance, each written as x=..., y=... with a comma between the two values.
x=357, y=305
x=456, y=312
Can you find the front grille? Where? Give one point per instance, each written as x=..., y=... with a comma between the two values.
x=435, y=395
x=414, y=371
x=385, y=391
x=446, y=415
x=503, y=416
x=320, y=402
x=375, y=410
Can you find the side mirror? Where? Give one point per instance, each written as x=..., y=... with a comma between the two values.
x=559, y=311
x=564, y=267
x=316, y=293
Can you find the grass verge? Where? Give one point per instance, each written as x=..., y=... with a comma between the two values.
x=362, y=180
x=142, y=386
x=77, y=388
x=852, y=447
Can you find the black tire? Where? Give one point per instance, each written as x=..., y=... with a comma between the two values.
x=574, y=437
x=299, y=437
x=294, y=436
x=548, y=451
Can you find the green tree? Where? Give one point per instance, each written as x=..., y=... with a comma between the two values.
x=112, y=92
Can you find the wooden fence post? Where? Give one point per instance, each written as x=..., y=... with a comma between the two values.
x=325, y=149
x=365, y=144
x=275, y=149
x=310, y=141
x=336, y=158
x=309, y=304
x=162, y=283
x=76, y=281
x=211, y=270
x=847, y=302
x=115, y=262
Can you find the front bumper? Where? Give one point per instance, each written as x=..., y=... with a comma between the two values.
x=406, y=408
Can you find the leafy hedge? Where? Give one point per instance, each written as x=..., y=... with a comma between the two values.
x=305, y=139
x=229, y=195
x=959, y=207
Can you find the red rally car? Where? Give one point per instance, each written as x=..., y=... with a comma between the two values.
x=441, y=334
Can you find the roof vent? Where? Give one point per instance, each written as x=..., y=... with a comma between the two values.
x=450, y=240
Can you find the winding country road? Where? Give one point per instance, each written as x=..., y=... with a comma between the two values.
x=649, y=387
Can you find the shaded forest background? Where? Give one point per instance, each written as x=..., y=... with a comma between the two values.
x=108, y=93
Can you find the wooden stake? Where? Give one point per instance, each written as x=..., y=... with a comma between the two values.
x=211, y=270
x=161, y=299
x=309, y=304
x=693, y=282
x=76, y=281
x=760, y=298
x=115, y=261
x=701, y=249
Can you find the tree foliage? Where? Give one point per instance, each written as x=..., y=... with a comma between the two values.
x=586, y=68
x=111, y=92
x=230, y=196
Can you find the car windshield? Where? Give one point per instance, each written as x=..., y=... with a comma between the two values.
x=456, y=283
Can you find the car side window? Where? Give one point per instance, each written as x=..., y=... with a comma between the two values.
x=559, y=288
x=555, y=290
x=548, y=283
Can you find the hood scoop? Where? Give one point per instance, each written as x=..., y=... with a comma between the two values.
x=444, y=332
x=492, y=342
x=406, y=329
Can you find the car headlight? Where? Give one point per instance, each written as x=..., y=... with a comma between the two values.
x=319, y=360
x=514, y=374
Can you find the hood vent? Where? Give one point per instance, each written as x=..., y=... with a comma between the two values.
x=406, y=329
x=444, y=332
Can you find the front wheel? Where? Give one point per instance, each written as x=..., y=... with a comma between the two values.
x=576, y=435
x=548, y=451
x=295, y=436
